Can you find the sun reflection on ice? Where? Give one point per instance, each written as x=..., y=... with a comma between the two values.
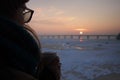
x=81, y=39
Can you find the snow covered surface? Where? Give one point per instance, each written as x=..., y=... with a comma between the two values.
x=85, y=59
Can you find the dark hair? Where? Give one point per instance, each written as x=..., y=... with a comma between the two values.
x=8, y=7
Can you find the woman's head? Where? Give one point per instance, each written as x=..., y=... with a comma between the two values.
x=13, y=9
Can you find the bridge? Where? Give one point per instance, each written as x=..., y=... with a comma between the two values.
x=79, y=36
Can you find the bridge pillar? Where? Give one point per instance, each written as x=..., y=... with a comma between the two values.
x=97, y=36
x=88, y=36
x=71, y=37
x=109, y=37
x=78, y=36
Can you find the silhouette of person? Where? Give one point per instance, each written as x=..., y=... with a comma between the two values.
x=20, y=54
x=118, y=36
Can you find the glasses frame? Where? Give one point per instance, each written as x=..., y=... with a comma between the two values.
x=28, y=11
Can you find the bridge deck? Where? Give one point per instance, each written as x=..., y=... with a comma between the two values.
x=80, y=36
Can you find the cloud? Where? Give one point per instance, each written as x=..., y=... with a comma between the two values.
x=52, y=19
x=55, y=11
x=52, y=16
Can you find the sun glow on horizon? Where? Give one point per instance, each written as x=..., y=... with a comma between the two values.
x=80, y=29
x=81, y=33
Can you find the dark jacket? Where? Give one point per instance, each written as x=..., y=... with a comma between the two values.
x=18, y=49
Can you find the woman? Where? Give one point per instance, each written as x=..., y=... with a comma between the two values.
x=20, y=49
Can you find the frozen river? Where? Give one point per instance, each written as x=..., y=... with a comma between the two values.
x=85, y=59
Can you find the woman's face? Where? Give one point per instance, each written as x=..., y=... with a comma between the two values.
x=23, y=15
x=18, y=17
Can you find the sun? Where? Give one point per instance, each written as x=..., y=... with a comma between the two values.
x=81, y=32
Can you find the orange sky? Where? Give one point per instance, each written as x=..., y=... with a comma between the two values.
x=65, y=16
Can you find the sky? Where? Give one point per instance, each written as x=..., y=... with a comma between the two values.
x=75, y=16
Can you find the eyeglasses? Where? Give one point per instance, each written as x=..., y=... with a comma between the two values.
x=27, y=13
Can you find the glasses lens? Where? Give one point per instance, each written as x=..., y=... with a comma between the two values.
x=28, y=15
